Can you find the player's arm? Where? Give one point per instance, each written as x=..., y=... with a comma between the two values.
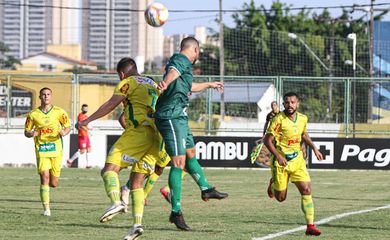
x=265, y=126
x=197, y=87
x=103, y=110
x=64, y=131
x=171, y=76
x=269, y=143
x=28, y=128
x=308, y=141
x=122, y=120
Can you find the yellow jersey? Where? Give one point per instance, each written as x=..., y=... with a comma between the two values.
x=48, y=143
x=140, y=103
x=288, y=134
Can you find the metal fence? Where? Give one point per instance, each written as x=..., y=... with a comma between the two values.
x=343, y=106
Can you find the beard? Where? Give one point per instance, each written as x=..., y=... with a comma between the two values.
x=290, y=111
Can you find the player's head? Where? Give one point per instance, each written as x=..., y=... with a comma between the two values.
x=274, y=107
x=190, y=47
x=84, y=108
x=45, y=95
x=126, y=67
x=290, y=103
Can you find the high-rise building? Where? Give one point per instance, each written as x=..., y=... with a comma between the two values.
x=27, y=26
x=109, y=36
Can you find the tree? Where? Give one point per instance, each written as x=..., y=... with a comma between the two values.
x=7, y=62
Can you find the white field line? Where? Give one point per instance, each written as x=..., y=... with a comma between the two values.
x=322, y=221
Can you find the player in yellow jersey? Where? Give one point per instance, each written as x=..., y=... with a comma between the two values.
x=47, y=124
x=138, y=146
x=283, y=139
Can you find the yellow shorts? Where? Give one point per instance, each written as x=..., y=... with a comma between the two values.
x=164, y=158
x=50, y=163
x=138, y=148
x=295, y=171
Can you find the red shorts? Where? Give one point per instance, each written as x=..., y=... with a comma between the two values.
x=84, y=142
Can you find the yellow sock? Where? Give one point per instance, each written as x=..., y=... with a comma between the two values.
x=149, y=183
x=308, y=208
x=111, y=184
x=45, y=196
x=137, y=202
x=182, y=176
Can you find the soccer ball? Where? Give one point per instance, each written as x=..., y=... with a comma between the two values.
x=156, y=14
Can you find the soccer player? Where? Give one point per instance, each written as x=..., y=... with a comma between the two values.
x=260, y=153
x=83, y=140
x=138, y=146
x=283, y=139
x=172, y=122
x=270, y=115
x=47, y=124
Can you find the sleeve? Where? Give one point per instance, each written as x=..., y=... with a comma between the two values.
x=124, y=87
x=29, y=124
x=274, y=127
x=64, y=119
x=178, y=65
x=304, y=125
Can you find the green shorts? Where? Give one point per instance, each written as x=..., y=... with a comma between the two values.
x=176, y=134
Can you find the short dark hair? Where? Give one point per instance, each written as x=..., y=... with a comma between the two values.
x=84, y=105
x=43, y=89
x=188, y=42
x=290, y=94
x=126, y=64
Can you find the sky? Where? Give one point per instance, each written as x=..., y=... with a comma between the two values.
x=179, y=23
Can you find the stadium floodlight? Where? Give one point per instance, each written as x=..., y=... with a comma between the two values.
x=295, y=37
x=350, y=62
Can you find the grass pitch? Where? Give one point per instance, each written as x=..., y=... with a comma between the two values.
x=248, y=212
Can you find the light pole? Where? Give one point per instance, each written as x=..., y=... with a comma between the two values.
x=295, y=37
x=352, y=36
x=221, y=60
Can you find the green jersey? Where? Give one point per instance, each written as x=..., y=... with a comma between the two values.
x=173, y=102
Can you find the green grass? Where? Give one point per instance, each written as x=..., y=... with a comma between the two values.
x=80, y=200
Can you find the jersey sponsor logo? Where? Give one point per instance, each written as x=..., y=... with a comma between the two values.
x=222, y=150
x=45, y=131
x=143, y=80
x=28, y=122
x=292, y=141
x=129, y=159
x=64, y=119
x=47, y=147
x=124, y=88
x=291, y=156
x=276, y=128
x=381, y=158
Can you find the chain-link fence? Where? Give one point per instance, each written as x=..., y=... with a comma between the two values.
x=343, y=106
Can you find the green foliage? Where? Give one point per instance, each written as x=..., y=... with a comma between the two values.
x=7, y=62
x=259, y=45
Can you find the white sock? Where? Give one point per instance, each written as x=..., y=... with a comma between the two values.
x=75, y=155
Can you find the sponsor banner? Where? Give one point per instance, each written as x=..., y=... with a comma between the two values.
x=217, y=151
x=21, y=100
x=351, y=153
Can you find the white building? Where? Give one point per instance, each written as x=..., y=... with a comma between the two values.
x=109, y=36
x=27, y=30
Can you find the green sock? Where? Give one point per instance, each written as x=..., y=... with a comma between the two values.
x=308, y=208
x=45, y=196
x=111, y=184
x=174, y=182
x=128, y=184
x=197, y=174
x=149, y=184
x=137, y=200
